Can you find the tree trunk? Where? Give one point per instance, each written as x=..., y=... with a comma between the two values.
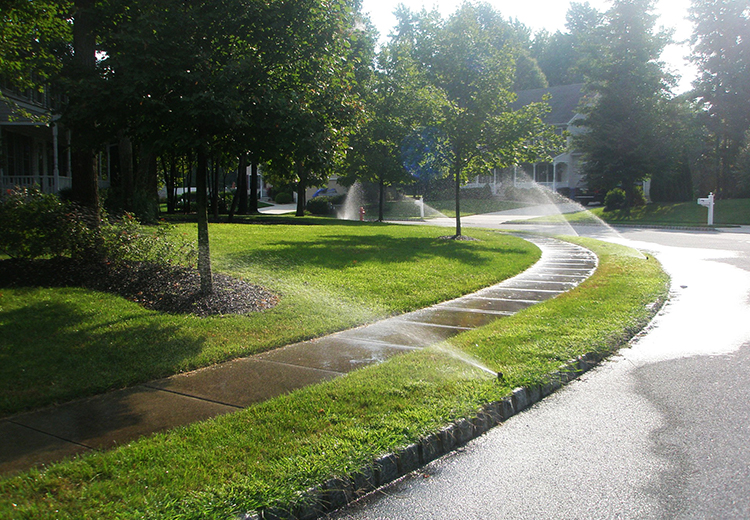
x=204, y=252
x=127, y=190
x=381, y=200
x=146, y=190
x=170, y=180
x=242, y=185
x=301, y=187
x=457, y=176
x=84, y=178
x=253, y=188
x=215, y=190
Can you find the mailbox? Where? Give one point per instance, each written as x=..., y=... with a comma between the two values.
x=709, y=203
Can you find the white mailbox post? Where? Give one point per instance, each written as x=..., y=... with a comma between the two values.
x=709, y=203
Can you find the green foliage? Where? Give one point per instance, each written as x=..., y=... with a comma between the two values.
x=320, y=206
x=33, y=36
x=127, y=240
x=621, y=143
x=615, y=199
x=470, y=59
x=36, y=224
x=283, y=198
x=721, y=50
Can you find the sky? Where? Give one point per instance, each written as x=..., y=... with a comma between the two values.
x=550, y=15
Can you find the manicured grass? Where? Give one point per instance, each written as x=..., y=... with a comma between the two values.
x=474, y=206
x=268, y=454
x=726, y=212
x=61, y=344
x=410, y=209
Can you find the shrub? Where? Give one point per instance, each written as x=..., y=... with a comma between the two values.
x=481, y=193
x=284, y=198
x=38, y=225
x=639, y=198
x=615, y=199
x=127, y=240
x=35, y=224
x=320, y=206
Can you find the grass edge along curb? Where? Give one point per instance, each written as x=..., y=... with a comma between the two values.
x=341, y=449
x=338, y=492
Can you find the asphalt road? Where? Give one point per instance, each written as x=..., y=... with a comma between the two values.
x=661, y=430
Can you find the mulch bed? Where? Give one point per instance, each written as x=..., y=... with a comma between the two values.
x=174, y=290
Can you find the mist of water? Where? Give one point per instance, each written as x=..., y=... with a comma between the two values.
x=352, y=202
x=425, y=210
x=453, y=352
x=557, y=206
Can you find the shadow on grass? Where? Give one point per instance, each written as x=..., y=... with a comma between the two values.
x=338, y=251
x=53, y=349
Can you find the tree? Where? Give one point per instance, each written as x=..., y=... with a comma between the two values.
x=33, y=38
x=620, y=144
x=317, y=99
x=470, y=59
x=398, y=100
x=721, y=49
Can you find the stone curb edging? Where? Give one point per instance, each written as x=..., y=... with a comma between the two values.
x=338, y=492
x=629, y=226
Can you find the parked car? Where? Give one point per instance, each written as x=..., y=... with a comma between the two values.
x=328, y=192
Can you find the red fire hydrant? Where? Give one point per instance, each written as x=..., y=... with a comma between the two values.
x=361, y=213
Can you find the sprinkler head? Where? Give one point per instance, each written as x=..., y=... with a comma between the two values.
x=499, y=376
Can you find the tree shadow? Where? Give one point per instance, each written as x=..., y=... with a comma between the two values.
x=52, y=350
x=338, y=251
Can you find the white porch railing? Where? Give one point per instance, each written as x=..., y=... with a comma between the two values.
x=46, y=184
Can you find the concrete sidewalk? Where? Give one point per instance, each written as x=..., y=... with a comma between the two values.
x=106, y=421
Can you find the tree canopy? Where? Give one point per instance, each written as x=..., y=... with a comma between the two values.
x=620, y=141
x=721, y=49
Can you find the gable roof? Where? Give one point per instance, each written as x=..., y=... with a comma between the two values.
x=564, y=101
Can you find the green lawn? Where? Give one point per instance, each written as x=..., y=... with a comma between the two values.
x=409, y=208
x=726, y=212
x=729, y=211
x=270, y=453
x=61, y=344
x=474, y=206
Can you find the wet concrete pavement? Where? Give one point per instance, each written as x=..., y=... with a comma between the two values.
x=116, y=418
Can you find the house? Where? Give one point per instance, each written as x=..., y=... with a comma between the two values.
x=34, y=147
x=563, y=174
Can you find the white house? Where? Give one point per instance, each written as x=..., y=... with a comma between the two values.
x=35, y=150
x=563, y=173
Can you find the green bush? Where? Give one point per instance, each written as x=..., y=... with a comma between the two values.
x=615, y=199
x=127, y=240
x=36, y=224
x=320, y=206
x=283, y=198
x=639, y=198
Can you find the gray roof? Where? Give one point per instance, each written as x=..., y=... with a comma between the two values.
x=564, y=101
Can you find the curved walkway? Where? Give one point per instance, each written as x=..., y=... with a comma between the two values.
x=118, y=417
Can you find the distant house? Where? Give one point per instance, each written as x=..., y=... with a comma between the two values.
x=34, y=148
x=563, y=174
